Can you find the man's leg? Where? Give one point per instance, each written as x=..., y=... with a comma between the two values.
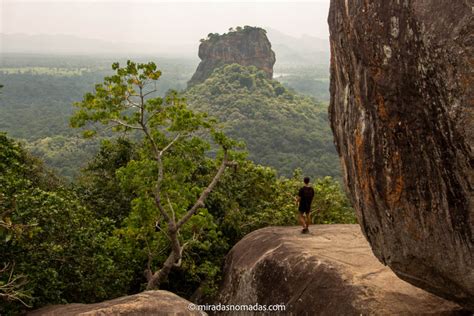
x=301, y=219
x=308, y=219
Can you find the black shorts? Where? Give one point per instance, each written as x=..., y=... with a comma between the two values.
x=304, y=211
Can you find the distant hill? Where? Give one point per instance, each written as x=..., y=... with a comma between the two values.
x=305, y=42
x=292, y=50
x=61, y=44
x=289, y=49
x=281, y=128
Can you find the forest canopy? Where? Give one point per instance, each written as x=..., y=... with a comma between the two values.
x=281, y=128
x=92, y=239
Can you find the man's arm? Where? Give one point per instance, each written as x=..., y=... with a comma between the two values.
x=298, y=197
x=297, y=200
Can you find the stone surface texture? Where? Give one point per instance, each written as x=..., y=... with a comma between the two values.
x=402, y=112
x=246, y=47
x=160, y=303
x=330, y=271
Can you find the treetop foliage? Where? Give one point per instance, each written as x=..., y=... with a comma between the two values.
x=238, y=30
x=53, y=246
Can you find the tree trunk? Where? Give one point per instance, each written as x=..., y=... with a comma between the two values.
x=155, y=279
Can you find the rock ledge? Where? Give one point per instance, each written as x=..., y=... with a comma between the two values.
x=331, y=271
x=161, y=303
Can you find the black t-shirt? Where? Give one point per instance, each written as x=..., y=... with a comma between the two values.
x=306, y=195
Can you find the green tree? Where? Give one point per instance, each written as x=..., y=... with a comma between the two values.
x=252, y=197
x=331, y=203
x=11, y=285
x=55, y=247
x=123, y=102
x=98, y=185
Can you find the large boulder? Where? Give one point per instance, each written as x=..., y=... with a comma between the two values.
x=402, y=112
x=330, y=271
x=247, y=47
x=146, y=303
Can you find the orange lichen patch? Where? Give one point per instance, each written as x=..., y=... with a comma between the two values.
x=366, y=5
x=368, y=196
x=467, y=83
x=381, y=109
x=358, y=141
x=362, y=173
x=413, y=230
x=377, y=74
x=395, y=192
x=383, y=114
x=358, y=100
x=359, y=152
x=357, y=92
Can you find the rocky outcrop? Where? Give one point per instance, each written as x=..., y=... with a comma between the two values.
x=247, y=47
x=402, y=112
x=147, y=303
x=330, y=271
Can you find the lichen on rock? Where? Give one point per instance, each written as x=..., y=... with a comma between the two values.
x=402, y=112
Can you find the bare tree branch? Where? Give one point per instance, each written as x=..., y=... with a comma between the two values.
x=171, y=208
x=157, y=154
x=121, y=123
x=11, y=290
x=157, y=226
x=152, y=115
x=178, y=263
x=149, y=92
x=169, y=145
x=7, y=212
x=133, y=104
x=200, y=202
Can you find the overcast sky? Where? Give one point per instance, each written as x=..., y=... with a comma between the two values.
x=170, y=23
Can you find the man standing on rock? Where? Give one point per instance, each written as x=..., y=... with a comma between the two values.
x=304, y=198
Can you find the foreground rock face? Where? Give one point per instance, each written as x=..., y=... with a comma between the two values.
x=247, y=47
x=146, y=303
x=402, y=112
x=331, y=271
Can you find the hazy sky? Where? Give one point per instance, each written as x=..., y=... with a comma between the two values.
x=167, y=22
